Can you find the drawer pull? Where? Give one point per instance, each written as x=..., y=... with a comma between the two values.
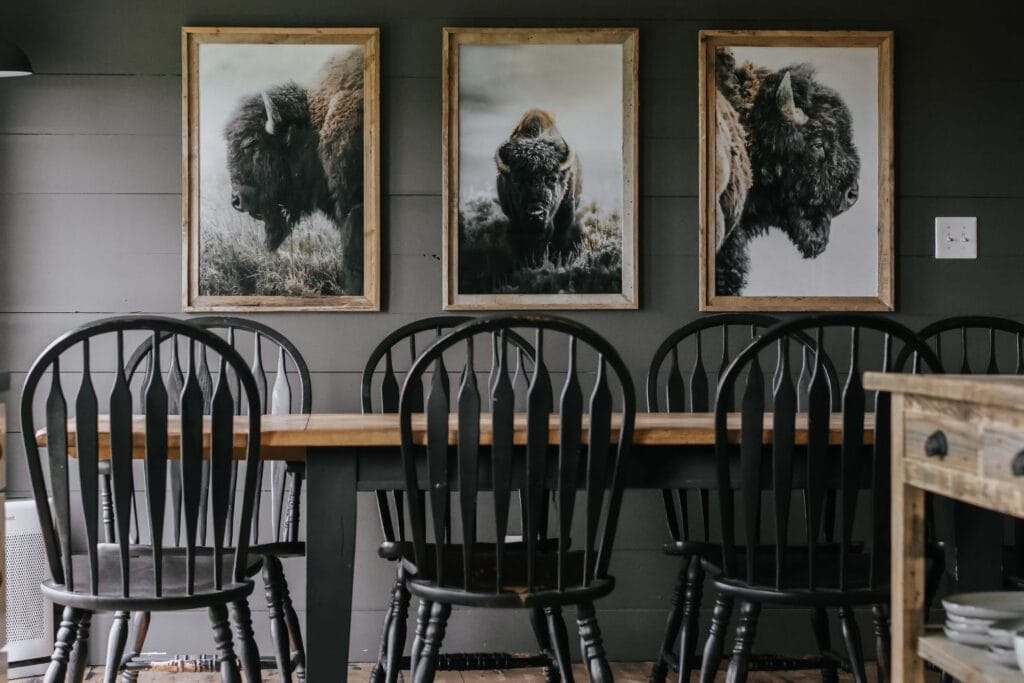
x=937, y=446
x=1018, y=464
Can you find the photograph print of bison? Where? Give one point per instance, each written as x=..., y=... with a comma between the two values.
x=796, y=166
x=541, y=169
x=282, y=195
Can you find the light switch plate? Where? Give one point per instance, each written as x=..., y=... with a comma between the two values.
x=956, y=237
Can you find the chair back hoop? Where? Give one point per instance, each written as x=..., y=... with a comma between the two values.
x=216, y=448
x=785, y=463
x=934, y=334
x=579, y=461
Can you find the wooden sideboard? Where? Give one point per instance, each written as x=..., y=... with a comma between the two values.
x=962, y=438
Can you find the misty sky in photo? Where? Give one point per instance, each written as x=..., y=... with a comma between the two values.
x=581, y=85
x=849, y=265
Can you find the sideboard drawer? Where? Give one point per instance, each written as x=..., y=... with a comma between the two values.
x=1002, y=454
x=941, y=437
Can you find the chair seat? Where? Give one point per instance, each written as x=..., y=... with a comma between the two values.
x=142, y=582
x=482, y=591
x=279, y=549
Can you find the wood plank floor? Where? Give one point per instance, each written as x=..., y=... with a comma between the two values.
x=627, y=672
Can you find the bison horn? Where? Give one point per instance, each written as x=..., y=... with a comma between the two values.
x=500, y=163
x=567, y=163
x=787, y=105
x=272, y=115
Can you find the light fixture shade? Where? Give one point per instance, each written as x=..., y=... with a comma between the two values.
x=13, y=61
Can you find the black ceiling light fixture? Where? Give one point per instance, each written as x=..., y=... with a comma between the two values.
x=13, y=61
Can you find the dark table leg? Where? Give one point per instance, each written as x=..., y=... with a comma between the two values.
x=330, y=559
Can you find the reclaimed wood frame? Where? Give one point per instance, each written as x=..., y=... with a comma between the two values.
x=369, y=39
x=883, y=42
x=629, y=38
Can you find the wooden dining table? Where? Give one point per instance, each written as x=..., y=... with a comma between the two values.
x=348, y=453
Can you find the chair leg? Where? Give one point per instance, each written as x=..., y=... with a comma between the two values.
x=426, y=667
x=882, y=639
x=716, y=639
x=291, y=620
x=592, y=646
x=559, y=642
x=140, y=627
x=80, y=653
x=115, y=646
x=675, y=621
x=226, y=661
x=539, y=623
x=248, y=652
x=397, y=627
x=691, y=618
x=58, y=669
x=746, y=630
x=851, y=635
x=823, y=639
x=273, y=578
x=419, y=635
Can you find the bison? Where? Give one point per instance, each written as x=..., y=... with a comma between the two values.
x=293, y=151
x=539, y=185
x=804, y=166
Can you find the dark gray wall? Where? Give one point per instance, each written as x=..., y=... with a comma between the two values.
x=90, y=205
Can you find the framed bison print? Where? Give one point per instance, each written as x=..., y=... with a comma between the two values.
x=281, y=169
x=796, y=182
x=540, y=168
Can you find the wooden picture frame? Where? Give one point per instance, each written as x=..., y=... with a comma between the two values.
x=740, y=207
x=567, y=243
x=302, y=75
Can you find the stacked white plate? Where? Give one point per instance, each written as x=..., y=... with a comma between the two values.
x=990, y=620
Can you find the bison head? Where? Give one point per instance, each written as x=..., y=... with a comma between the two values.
x=538, y=183
x=804, y=162
x=273, y=160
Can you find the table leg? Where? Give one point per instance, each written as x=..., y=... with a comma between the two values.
x=330, y=560
x=908, y=566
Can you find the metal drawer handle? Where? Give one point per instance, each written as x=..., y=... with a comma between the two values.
x=937, y=446
x=1018, y=464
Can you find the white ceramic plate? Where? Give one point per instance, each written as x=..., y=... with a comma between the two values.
x=1006, y=657
x=972, y=627
x=975, y=639
x=958, y=619
x=987, y=605
x=1002, y=632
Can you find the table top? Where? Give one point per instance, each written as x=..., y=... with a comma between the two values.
x=996, y=390
x=287, y=436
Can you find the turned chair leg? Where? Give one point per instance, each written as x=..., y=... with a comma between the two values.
x=882, y=641
x=539, y=624
x=140, y=628
x=397, y=625
x=851, y=635
x=591, y=645
x=675, y=621
x=58, y=669
x=419, y=635
x=115, y=646
x=226, y=661
x=823, y=639
x=716, y=639
x=692, y=599
x=291, y=620
x=248, y=652
x=273, y=579
x=80, y=653
x=559, y=639
x=427, y=665
x=746, y=629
